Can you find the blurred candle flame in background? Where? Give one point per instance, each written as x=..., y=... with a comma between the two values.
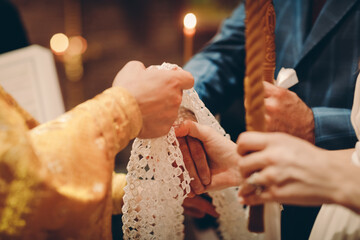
x=190, y=21
x=189, y=32
x=59, y=42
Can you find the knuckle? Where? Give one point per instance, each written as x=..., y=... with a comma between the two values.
x=281, y=92
x=174, y=83
x=271, y=159
x=270, y=176
x=135, y=63
x=191, y=79
x=272, y=108
x=293, y=94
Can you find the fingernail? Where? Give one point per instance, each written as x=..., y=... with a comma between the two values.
x=241, y=200
x=206, y=181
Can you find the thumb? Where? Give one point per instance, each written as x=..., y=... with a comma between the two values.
x=183, y=128
x=193, y=129
x=269, y=89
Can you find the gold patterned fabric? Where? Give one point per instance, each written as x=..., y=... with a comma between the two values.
x=55, y=180
x=118, y=184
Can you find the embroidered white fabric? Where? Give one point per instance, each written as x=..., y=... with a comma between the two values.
x=158, y=182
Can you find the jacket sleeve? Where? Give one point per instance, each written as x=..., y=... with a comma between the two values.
x=219, y=68
x=333, y=128
x=64, y=173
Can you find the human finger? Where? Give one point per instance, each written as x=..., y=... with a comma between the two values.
x=254, y=183
x=289, y=193
x=256, y=198
x=193, y=129
x=195, y=183
x=130, y=68
x=135, y=65
x=182, y=129
x=199, y=157
x=201, y=204
x=251, y=141
x=269, y=89
x=184, y=78
x=252, y=163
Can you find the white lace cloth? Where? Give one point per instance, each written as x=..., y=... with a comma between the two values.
x=158, y=182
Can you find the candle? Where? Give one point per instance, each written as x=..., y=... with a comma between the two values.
x=260, y=66
x=189, y=32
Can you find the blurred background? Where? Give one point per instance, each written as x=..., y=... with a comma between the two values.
x=115, y=32
x=106, y=34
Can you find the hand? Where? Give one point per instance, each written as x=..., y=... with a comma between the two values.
x=158, y=94
x=198, y=206
x=194, y=157
x=286, y=112
x=220, y=151
x=290, y=170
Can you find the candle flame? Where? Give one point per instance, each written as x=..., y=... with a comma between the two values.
x=59, y=42
x=190, y=21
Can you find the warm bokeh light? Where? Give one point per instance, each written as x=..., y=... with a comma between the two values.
x=190, y=21
x=59, y=43
x=77, y=45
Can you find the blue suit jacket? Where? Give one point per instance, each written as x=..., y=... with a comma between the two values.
x=325, y=57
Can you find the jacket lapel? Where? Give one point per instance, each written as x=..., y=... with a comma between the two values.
x=331, y=14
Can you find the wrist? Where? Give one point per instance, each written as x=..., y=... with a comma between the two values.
x=348, y=192
x=310, y=127
x=343, y=195
x=133, y=119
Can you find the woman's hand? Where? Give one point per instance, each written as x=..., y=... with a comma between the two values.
x=290, y=170
x=158, y=94
x=220, y=151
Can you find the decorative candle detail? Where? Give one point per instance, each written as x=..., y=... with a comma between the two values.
x=189, y=32
x=269, y=31
x=260, y=66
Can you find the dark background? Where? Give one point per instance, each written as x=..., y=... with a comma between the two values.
x=118, y=31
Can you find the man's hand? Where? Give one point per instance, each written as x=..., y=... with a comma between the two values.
x=286, y=112
x=198, y=206
x=221, y=154
x=158, y=94
x=194, y=157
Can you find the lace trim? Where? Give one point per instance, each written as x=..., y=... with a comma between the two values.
x=158, y=182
